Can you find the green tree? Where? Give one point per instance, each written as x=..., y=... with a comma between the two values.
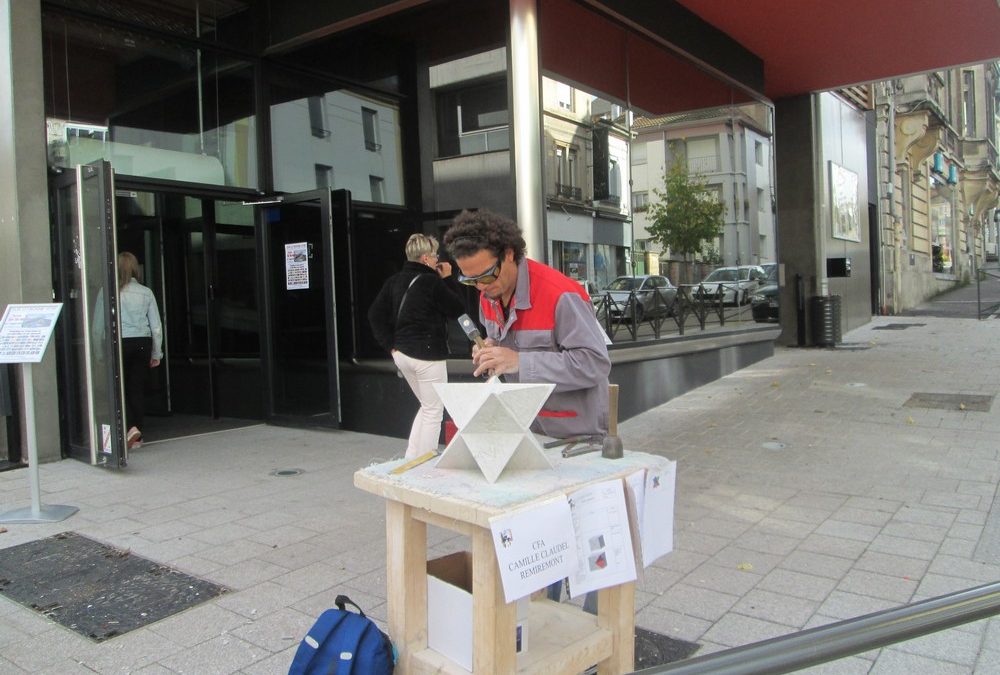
x=685, y=217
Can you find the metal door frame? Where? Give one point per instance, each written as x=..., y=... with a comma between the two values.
x=102, y=172
x=323, y=197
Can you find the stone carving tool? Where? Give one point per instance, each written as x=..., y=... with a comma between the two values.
x=471, y=332
x=406, y=466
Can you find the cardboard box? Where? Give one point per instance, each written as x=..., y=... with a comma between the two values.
x=449, y=609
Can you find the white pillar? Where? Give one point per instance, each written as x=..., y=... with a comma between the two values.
x=25, y=259
x=526, y=125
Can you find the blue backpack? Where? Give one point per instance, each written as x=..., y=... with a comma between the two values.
x=342, y=642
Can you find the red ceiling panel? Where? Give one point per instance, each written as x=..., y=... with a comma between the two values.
x=583, y=47
x=814, y=45
x=594, y=52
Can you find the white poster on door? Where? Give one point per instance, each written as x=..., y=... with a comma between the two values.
x=297, y=266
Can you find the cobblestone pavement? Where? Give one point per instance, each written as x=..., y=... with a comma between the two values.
x=808, y=492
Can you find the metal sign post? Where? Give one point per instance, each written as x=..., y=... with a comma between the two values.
x=25, y=331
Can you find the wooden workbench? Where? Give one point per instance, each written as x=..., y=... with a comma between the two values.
x=562, y=638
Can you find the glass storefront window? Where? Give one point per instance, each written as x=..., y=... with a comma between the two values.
x=325, y=137
x=152, y=108
x=570, y=258
x=941, y=230
x=609, y=263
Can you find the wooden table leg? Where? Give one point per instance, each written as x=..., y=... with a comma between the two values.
x=406, y=581
x=493, y=620
x=616, y=612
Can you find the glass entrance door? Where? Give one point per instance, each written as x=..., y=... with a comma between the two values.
x=139, y=230
x=302, y=369
x=211, y=286
x=199, y=256
x=89, y=345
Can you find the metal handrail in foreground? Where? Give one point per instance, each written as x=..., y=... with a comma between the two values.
x=845, y=638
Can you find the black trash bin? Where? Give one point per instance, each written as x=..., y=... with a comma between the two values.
x=824, y=314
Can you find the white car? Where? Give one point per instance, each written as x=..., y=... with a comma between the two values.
x=738, y=283
x=641, y=296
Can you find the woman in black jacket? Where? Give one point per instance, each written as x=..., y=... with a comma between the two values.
x=408, y=319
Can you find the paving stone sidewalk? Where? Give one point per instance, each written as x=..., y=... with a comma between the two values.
x=807, y=493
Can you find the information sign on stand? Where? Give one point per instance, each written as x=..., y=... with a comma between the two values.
x=25, y=331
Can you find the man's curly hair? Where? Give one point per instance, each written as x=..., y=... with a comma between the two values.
x=473, y=231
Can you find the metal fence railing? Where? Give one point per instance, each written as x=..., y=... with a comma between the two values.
x=845, y=638
x=986, y=310
x=667, y=310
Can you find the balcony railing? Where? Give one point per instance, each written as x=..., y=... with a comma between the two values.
x=708, y=164
x=569, y=192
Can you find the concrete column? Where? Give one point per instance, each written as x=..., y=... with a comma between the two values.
x=25, y=257
x=795, y=176
x=526, y=125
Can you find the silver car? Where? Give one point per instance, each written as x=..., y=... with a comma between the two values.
x=738, y=283
x=643, y=296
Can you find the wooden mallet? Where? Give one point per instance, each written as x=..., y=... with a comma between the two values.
x=612, y=444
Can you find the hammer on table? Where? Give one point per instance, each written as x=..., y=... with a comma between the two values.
x=612, y=444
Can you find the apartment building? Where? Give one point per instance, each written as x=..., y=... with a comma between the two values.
x=939, y=180
x=730, y=148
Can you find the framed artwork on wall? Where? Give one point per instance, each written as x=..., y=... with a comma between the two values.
x=845, y=214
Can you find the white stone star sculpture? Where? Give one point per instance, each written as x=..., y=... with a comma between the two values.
x=493, y=420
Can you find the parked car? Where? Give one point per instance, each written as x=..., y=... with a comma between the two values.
x=764, y=304
x=653, y=294
x=738, y=283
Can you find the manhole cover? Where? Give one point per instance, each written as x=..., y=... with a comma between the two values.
x=773, y=445
x=286, y=472
x=966, y=402
x=899, y=326
x=94, y=589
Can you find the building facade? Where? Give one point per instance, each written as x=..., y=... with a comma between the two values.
x=939, y=180
x=730, y=148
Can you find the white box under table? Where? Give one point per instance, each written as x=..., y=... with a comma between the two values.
x=563, y=638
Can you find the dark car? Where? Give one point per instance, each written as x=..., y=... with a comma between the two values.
x=764, y=304
x=646, y=295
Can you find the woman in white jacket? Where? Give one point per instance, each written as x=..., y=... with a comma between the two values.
x=142, y=339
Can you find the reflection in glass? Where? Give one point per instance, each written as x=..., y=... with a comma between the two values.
x=236, y=293
x=323, y=137
x=150, y=107
x=586, y=174
x=75, y=316
x=473, y=119
x=571, y=259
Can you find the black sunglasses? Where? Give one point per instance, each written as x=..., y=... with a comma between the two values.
x=487, y=277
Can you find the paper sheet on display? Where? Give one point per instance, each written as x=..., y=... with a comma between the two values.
x=604, y=544
x=650, y=496
x=534, y=547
